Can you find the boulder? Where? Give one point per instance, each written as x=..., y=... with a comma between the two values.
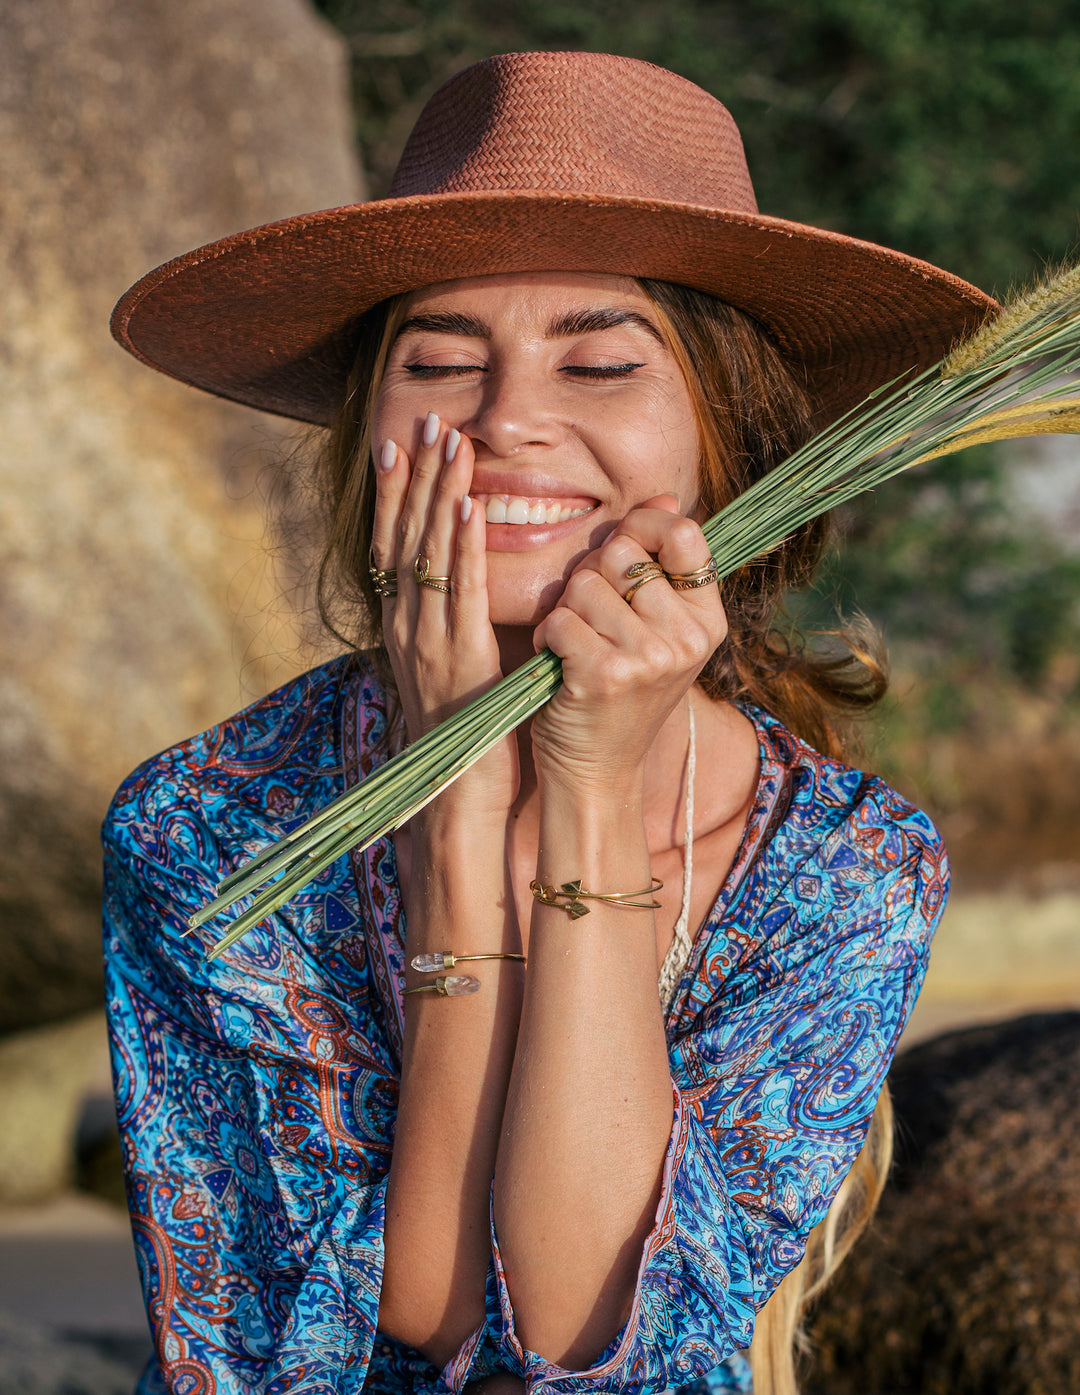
x=969, y=1281
x=45, y=1075
x=139, y=604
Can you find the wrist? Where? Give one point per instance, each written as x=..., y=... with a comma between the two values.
x=591, y=796
x=597, y=835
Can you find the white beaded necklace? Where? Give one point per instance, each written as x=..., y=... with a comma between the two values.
x=678, y=955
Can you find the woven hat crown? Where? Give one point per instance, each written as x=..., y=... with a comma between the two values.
x=543, y=162
x=582, y=123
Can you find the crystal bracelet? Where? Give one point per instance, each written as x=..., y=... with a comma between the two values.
x=445, y=959
x=574, y=894
x=454, y=987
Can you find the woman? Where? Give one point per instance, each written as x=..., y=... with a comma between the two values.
x=558, y=1180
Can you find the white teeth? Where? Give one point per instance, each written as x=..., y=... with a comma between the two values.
x=507, y=509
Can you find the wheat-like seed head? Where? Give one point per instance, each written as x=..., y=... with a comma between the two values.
x=1061, y=292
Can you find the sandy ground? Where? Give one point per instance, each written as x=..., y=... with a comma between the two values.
x=71, y=1317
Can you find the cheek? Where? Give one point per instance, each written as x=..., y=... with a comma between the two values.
x=663, y=453
x=395, y=420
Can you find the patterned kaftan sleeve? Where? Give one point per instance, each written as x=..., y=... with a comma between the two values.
x=778, y=1056
x=255, y=1102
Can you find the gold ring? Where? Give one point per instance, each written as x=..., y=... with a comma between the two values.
x=691, y=581
x=383, y=579
x=644, y=572
x=422, y=572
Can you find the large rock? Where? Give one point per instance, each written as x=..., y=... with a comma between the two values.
x=969, y=1281
x=45, y=1074
x=137, y=604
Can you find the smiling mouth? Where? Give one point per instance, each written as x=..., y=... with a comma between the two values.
x=519, y=509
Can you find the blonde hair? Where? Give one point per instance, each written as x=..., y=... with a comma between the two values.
x=779, y=1336
x=751, y=413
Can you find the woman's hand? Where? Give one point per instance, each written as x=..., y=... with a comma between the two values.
x=442, y=647
x=625, y=667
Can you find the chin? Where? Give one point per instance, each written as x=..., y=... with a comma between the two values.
x=523, y=601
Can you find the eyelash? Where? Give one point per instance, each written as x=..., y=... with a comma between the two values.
x=459, y=370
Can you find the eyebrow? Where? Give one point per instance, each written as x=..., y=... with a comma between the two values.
x=565, y=326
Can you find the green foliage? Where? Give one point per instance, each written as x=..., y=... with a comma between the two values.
x=961, y=586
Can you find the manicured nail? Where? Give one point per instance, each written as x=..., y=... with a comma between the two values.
x=431, y=429
x=466, y=508
x=452, y=440
x=387, y=456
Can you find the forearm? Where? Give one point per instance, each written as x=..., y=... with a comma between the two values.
x=589, y=1108
x=457, y=1057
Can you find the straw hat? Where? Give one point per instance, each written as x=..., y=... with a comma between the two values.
x=543, y=162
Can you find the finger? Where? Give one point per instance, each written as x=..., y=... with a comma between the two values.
x=593, y=600
x=438, y=544
x=625, y=565
x=391, y=483
x=677, y=541
x=468, y=596
x=423, y=481
x=569, y=636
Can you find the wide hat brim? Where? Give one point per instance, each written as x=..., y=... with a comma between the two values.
x=262, y=317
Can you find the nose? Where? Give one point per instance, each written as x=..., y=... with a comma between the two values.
x=514, y=412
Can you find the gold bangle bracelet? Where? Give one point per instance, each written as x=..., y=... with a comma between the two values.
x=446, y=959
x=574, y=895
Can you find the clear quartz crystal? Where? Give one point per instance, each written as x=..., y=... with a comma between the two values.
x=457, y=984
x=433, y=963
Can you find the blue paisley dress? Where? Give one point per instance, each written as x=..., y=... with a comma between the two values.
x=257, y=1094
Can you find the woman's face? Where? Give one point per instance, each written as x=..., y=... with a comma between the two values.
x=576, y=410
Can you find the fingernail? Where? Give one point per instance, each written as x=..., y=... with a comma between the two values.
x=431, y=429
x=466, y=508
x=387, y=455
x=452, y=439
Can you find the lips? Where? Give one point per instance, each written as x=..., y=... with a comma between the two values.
x=537, y=510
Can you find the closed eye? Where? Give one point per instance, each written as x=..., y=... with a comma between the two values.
x=613, y=370
x=443, y=370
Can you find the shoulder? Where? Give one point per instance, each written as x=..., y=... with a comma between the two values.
x=843, y=854
x=253, y=776
x=816, y=795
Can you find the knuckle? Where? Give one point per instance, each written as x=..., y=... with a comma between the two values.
x=685, y=532
x=620, y=548
x=579, y=586
x=619, y=672
x=655, y=654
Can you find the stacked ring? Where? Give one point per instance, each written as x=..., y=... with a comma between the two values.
x=641, y=573
x=383, y=579
x=422, y=573
x=691, y=581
